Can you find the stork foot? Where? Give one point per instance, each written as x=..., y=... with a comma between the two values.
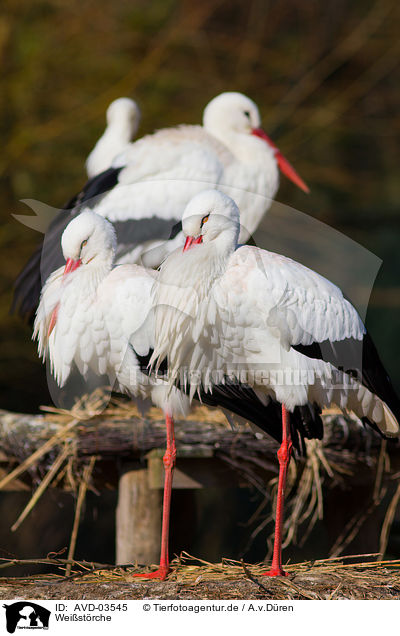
x=160, y=574
x=275, y=572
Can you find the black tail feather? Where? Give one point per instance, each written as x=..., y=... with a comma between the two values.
x=376, y=378
x=305, y=421
x=351, y=354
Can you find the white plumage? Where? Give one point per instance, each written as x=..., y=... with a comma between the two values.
x=123, y=118
x=161, y=172
x=242, y=311
x=145, y=193
x=220, y=314
x=255, y=318
x=99, y=317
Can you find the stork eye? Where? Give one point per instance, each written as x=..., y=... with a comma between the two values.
x=83, y=244
x=246, y=112
x=204, y=220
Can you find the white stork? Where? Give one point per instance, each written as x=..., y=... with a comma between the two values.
x=225, y=311
x=123, y=119
x=146, y=191
x=99, y=318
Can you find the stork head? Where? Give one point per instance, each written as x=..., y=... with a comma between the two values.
x=209, y=217
x=233, y=113
x=124, y=111
x=88, y=240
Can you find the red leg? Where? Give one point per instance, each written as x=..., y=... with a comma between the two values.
x=169, y=463
x=284, y=454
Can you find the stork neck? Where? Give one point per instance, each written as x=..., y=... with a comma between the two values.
x=88, y=277
x=121, y=129
x=247, y=148
x=198, y=268
x=184, y=295
x=213, y=267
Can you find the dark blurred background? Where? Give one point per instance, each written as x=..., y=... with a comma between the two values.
x=324, y=75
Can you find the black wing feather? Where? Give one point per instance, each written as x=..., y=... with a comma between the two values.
x=242, y=400
x=305, y=422
x=358, y=358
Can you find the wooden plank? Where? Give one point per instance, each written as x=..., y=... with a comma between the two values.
x=138, y=518
x=193, y=473
x=155, y=476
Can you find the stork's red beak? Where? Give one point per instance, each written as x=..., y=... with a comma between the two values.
x=70, y=266
x=190, y=240
x=283, y=163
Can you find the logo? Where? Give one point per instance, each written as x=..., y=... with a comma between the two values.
x=26, y=615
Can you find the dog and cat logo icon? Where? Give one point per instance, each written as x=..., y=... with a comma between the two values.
x=26, y=615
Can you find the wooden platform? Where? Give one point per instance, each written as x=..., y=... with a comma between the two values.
x=119, y=448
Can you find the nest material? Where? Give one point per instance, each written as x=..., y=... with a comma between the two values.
x=62, y=447
x=194, y=578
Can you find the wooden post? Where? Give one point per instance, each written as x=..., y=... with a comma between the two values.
x=138, y=518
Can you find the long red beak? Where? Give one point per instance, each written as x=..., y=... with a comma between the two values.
x=190, y=241
x=70, y=266
x=283, y=163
